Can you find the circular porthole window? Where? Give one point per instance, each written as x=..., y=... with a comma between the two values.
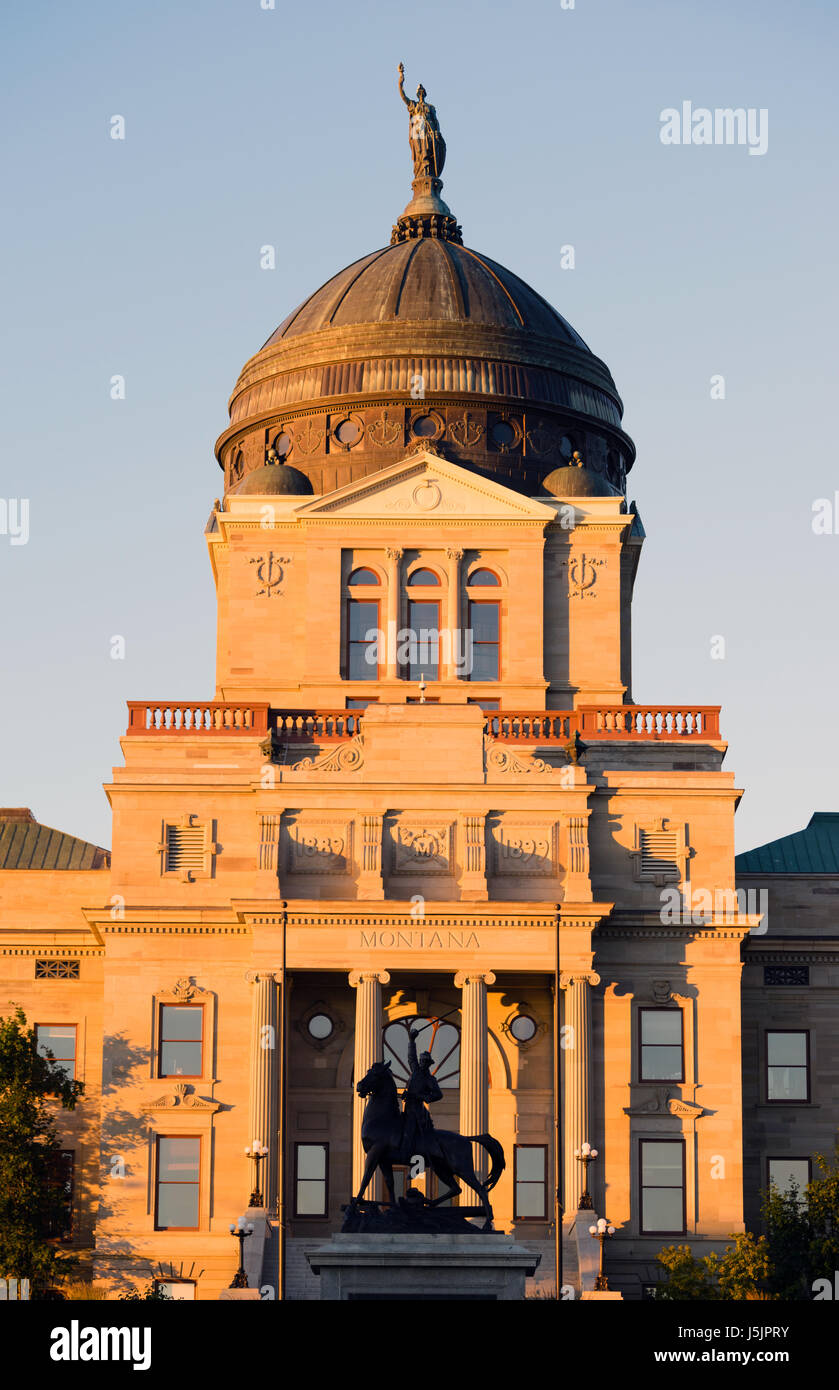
x=425, y=426
x=348, y=432
x=321, y=1026
x=523, y=1028
x=503, y=434
x=282, y=444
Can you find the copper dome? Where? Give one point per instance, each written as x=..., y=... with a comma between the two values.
x=425, y=340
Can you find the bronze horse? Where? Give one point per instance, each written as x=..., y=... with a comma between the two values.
x=382, y=1138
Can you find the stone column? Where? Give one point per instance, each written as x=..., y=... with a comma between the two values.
x=577, y=1107
x=262, y=1110
x=474, y=1061
x=394, y=582
x=368, y=1049
x=454, y=558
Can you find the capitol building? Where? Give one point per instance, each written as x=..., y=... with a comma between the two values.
x=424, y=794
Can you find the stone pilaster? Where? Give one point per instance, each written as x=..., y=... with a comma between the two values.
x=577, y=1107
x=368, y=1049
x=394, y=585
x=262, y=1109
x=453, y=558
x=370, y=882
x=474, y=1059
x=473, y=880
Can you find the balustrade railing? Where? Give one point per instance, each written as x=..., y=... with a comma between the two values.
x=671, y=723
x=195, y=717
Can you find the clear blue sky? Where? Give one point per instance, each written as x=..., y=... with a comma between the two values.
x=247, y=126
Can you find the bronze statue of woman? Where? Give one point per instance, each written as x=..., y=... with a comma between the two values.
x=427, y=144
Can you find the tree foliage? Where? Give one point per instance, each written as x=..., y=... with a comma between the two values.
x=800, y=1245
x=31, y=1200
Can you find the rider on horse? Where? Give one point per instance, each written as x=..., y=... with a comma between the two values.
x=418, y=1136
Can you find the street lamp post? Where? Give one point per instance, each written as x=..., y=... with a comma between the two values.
x=258, y=1152
x=602, y=1231
x=241, y=1230
x=585, y=1155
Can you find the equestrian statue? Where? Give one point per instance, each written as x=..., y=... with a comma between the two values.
x=393, y=1136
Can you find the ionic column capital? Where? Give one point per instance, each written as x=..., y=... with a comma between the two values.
x=578, y=977
x=473, y=977
x=360, y=977
x=255, y=977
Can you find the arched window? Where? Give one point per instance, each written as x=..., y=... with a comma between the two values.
x=363, y=624
x=483, y=625
x=421, y=655
x=442, y=1040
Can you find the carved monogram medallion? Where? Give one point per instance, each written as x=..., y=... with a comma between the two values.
x=270, y=571
x=582, y=575
x=425, y=848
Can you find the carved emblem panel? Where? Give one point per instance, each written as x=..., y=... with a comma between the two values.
x=421, y=847
x=317, y=846
x=523, y=847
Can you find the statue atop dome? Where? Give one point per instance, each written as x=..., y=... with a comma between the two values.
x=427, y=144
x=426, y=214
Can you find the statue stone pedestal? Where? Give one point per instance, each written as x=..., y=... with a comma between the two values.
x=479, y=1268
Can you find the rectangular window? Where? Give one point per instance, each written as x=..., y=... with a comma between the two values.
x=530, y=1166
x=485, y=626
x=787, y=1067
x=62, y=1174
x=784, y=1173
x=311, y=1168
x=486, y=705
x=662, y=1045
x=178, y=1183
x=662, y=1186
x=181, y=1049
x=424, y=654
x=60, y=1040
x=362, y=645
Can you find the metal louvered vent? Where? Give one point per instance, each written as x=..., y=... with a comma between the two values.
x=56, y=969
x=184, y=848
x=659, y=853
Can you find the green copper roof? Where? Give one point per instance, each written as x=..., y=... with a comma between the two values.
x=811, y=851
x=26, y=844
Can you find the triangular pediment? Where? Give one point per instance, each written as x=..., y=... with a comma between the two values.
x=426, y=485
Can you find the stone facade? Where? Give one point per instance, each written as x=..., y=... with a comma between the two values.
x=356, y=832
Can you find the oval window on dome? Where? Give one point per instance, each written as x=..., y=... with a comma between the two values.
x=348, y=432
x=282, y=444
x=567, y=447
x=523, y=1028
x=363, y=576
x=423, y=577
x=503, y=434
x=425, y=426
x=483, y=578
